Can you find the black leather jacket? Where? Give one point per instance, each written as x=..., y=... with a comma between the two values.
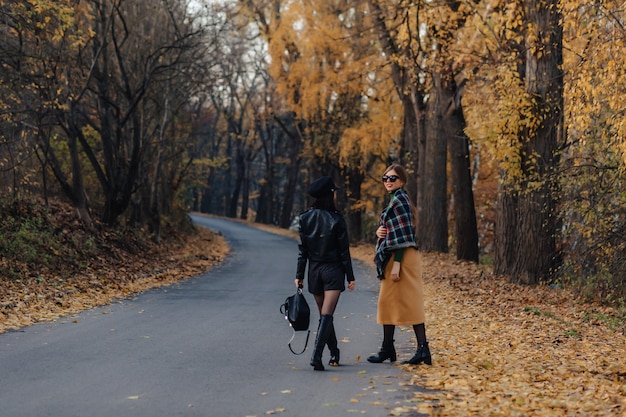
x=323, y=238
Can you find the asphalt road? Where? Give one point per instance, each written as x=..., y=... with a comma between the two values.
x=212, y=346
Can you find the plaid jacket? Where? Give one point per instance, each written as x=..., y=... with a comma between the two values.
x=398, y=219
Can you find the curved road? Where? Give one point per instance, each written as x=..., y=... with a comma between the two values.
x=212, y=346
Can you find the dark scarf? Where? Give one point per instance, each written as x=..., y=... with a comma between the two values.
x=398, y=219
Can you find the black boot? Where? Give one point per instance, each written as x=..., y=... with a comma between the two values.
x=387, y=351
x=332, y=346
x=421, y=355
x=326, y=322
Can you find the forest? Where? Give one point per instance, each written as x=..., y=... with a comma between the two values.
x=507, y=114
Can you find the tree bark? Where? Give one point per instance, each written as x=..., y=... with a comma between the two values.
x=353, y=195
x=466, y=229
x=433, y=216
x=293, y=168
x=526, y=233
x=409, y=150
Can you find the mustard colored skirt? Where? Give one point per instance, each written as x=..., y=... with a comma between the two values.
x=402, y=302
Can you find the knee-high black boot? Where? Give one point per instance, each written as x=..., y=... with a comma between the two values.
x=326, y=320
x=332, y=346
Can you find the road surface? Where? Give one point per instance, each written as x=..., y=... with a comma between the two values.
x=212, y=346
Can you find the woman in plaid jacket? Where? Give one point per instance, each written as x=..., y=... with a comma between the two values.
x=399, y=267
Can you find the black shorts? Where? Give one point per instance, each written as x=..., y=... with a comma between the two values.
x=325, y=276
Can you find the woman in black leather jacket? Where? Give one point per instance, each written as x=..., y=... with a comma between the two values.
x=324, y=244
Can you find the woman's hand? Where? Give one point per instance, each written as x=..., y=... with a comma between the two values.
x=381, y=232
x=351, y=285
x=299, y=283
x=395, y=271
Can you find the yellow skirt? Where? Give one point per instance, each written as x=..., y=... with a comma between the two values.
x=402, y=302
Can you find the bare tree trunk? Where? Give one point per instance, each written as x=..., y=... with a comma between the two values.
x=409, y=150
x=527, y=225
x=265, y=210
x=76, y=190
x=506, y=230
x=293, y=168
x=466, y=230
x=433, y=216
x=245, y=191
x=353, y=194
x=236, y=191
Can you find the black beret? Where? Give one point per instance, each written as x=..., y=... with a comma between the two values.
x=321, y=187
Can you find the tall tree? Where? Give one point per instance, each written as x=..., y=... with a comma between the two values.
x=40, y=44
x=449, y=82
x=126, y=63
x=421, y=41
x=593, y=202
x=526, y=228
x=397, y=29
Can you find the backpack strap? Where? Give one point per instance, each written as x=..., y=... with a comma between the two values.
x=308, y=332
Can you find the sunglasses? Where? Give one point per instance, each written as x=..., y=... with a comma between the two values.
x=391, y=178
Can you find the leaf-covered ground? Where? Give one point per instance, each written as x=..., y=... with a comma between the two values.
x=501, y=349
x=72, y=270
x=509, y=350
x=498, y=349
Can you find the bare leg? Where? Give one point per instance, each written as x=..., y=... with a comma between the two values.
x=329, y=302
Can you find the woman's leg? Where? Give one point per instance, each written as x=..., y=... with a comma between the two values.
x=329, y=302
x=326, y=303
x=423, y=351
x=420, y=333
x=388, y=350
x=332, y=344
x=327, y=307
x=319, y=301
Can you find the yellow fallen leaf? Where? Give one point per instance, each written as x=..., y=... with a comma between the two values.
x=276, y=410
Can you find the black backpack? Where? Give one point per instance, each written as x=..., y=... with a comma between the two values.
x=297, y=312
